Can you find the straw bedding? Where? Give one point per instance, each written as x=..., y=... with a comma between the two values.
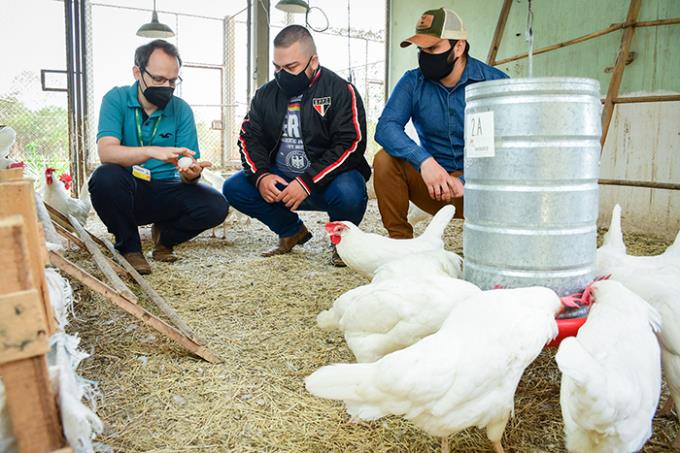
x=259, y=315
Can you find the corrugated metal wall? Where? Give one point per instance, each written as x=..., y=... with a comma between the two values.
x=644, y=139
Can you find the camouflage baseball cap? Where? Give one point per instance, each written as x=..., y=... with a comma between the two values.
x=434, y=25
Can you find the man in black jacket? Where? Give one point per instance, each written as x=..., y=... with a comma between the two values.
x=302, y=146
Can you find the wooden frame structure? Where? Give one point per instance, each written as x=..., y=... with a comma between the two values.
x=26, y=320
x=612, y=99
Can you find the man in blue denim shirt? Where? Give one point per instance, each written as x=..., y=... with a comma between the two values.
x=429, y=174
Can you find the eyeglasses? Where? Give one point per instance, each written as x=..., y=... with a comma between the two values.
x=159, y=80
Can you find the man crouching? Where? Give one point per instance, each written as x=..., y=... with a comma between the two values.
x=302, y=146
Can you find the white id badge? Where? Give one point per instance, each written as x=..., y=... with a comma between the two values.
x=142, y=173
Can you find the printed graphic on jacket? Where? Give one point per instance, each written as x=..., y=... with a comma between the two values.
x=290, y=157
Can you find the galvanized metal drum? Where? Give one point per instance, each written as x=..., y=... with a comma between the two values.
x=532, y=149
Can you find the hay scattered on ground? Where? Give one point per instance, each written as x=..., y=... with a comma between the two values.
x=259, y=315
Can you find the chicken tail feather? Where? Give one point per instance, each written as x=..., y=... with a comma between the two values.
x=439, y=222
x=614, y=236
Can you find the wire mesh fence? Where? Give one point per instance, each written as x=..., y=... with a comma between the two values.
x=40, y=122
x=216, y=73
x=39, y=117
x=355, y=52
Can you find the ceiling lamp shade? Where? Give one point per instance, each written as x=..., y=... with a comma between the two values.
x=155, y=29
x=293, y=6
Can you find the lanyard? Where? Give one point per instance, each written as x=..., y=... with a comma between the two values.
x=138, y=121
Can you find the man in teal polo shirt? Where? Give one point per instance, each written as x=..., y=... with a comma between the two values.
x=143, y=131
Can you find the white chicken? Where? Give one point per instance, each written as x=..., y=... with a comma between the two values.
x=7, y=138
x=464, y=375
x=392, y=313
x=657, y=280
x=612, y=254
x=431, y=262
x=611, y=374
x=57, y=195
x=366, y=252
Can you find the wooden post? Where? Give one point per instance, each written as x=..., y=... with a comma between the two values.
x=498, y=34
x=619, y=66
x=23, y=335
x=17, y=198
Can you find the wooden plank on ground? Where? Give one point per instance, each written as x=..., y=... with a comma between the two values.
x=153, y=295
x=66, y=234
x=619, y=66
x=30, y=402
x=62, y=220
x=135, y=310
x=101, y=261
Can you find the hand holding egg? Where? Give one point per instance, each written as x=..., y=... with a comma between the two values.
x=185, y=162
x=191, y=169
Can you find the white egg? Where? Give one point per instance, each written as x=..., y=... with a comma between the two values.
x=185, y=162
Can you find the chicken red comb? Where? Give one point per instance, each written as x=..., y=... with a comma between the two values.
x=577, y=300
x=587, y=293
x=65, y=177
x=49, y=170
x=17, y=165
x=331, y=227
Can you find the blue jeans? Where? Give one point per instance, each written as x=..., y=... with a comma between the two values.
x=344, y=198
x=180, y=210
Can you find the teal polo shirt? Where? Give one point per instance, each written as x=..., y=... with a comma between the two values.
x=176, y=128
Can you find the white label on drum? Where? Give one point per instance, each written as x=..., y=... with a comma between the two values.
x=479, y=135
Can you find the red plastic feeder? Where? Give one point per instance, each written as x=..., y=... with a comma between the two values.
x=566, y=328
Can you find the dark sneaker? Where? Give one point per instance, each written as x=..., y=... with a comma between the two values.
x=137, y=260
x=286, y=244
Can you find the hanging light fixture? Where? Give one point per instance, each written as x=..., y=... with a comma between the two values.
x=293, y=6
x=155, y=29
x=302, y=7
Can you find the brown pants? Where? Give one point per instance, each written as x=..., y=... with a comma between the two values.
x=396, y=182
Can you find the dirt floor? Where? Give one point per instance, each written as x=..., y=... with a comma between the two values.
x=259, y=315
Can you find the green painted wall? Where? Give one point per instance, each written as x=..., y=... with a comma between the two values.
x=656, y=66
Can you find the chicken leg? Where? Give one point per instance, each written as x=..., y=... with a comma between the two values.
x=497, y=447
x=445, y=445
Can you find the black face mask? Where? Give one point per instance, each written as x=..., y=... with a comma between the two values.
x=292, y=84
x=436, y=66
x=159, y=96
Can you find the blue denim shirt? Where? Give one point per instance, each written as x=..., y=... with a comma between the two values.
x=437, y=113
